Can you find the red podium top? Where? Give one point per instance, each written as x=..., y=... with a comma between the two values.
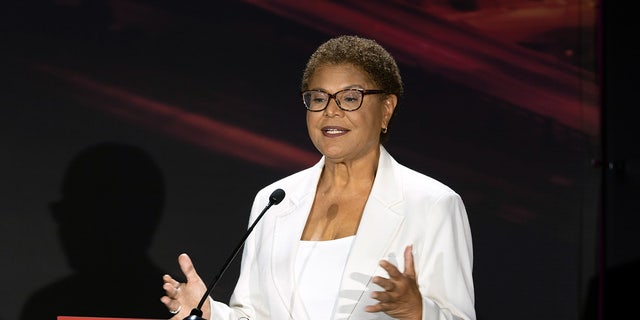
x=98, y=318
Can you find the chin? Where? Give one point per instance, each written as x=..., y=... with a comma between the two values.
x=333, y=151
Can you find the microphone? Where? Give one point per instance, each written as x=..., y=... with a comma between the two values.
x=275, y=198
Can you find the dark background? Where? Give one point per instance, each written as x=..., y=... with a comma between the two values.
x=503, y=104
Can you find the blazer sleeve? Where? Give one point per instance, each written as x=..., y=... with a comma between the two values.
x=445, y=260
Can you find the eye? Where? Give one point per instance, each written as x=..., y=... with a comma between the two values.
x=351, y=96
x=318, y=97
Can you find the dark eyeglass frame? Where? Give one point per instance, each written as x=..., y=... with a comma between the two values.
x=362, y=91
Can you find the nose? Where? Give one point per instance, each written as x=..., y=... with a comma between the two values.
x=332, y=108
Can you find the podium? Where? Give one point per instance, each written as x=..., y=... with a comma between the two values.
x=98, y=318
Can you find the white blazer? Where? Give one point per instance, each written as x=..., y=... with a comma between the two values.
x=404, y=208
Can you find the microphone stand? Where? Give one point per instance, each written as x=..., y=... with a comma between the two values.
x=196, y=313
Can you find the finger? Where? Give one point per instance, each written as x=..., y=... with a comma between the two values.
x=171, y=304
x=381, y=296
x=171, y=291
x=384, y=283
x=409, y=269
x=391, y=269
x=378, y=307
x=170, y=280
x=186, y=265
x=373, y=308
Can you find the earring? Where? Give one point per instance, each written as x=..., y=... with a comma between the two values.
x=384, y=130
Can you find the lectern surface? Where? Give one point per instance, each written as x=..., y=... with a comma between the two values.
x=98, y=318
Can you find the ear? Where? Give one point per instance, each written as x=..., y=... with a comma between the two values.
x=388, y=107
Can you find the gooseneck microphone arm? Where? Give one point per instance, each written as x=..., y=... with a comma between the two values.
x=275, y=198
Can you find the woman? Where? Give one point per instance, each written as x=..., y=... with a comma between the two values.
x=358, y=236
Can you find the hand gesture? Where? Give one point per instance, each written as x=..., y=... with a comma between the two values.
x=181, y=298
x=401, y=297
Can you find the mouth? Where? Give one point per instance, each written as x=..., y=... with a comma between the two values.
x=334, y=131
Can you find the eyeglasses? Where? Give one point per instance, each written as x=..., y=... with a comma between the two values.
x=347, y=99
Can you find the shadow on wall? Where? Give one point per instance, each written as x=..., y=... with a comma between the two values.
x=112, y=201
x=619, y=284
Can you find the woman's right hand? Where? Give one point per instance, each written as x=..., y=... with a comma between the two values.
x=181, y=298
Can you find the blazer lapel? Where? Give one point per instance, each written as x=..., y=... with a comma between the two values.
x=377, y=228
x=287, y=231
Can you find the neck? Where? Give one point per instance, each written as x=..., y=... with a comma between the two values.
x=350, y=175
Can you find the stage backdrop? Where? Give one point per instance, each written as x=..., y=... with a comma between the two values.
x=501, y=104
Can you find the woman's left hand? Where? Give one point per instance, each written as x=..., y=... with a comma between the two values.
x=401, y=297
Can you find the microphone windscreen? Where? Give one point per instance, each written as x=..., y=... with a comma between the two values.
x=276, y=196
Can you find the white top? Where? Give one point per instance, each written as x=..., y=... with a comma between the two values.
x=318, y=269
